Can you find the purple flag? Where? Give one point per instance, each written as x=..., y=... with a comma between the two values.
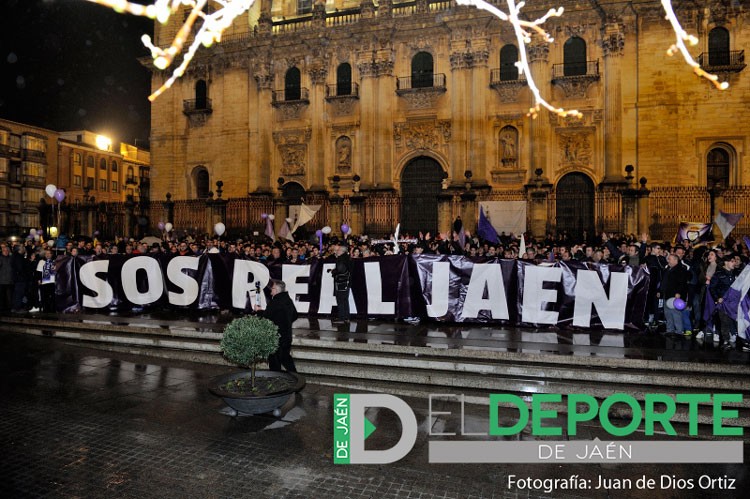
x=727, y=221
x=736, y=303
x=485, y=229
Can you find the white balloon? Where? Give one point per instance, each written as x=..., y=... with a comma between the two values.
x=36, y=237
x=50, y=190
x=349, y=231
x=326, y=230
x=168, y=227
x=219, y=228
x=272, y=217
x=32, y=232
x=51, y=243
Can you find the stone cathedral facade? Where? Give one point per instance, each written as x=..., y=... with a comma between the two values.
x=415, y=112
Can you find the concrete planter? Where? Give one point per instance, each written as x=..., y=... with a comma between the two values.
x=256, y=404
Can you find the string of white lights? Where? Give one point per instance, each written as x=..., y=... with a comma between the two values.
x=213, y=24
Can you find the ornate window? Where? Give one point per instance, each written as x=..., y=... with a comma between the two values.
x=90, y=162
x=103, y=164
x=718, y=47
x=344, y=79
x=508, y=59
x=114, y=166
x=574, y=57
x=292, y=85
x=422, y=70
x=718, y=163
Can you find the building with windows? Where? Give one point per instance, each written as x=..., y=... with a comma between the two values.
x=27, y=155
x=416, y=112
x=97, y=176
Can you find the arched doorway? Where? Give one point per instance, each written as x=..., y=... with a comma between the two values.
x=420, y=186
x=574, y=205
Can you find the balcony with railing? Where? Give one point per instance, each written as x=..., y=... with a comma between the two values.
x=290, y=96
x=421, y=83
x=197, y=106
x=731, y=61
x=575, y=78
x=342, y=91
x=34, y=155
x=131, y=180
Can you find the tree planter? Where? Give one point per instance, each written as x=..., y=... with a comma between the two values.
x=246, y=402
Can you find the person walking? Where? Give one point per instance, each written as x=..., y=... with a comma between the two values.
x=282, y=312
x=342, y=276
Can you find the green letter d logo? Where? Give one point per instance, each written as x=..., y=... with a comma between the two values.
x=360, y=428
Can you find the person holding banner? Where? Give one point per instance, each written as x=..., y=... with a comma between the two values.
x=282, y=312
x=342, y=276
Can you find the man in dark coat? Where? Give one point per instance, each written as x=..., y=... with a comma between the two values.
x=282, y=312
x=342, y=277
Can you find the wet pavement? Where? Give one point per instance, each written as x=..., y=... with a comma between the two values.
x=79, y=422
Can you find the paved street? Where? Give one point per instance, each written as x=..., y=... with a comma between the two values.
x=78, y=422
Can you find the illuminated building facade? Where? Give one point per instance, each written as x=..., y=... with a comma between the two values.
x=415, y=112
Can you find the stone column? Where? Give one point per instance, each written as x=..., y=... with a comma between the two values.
x=480, y=76
x=541, y=134
x=316, y=171
x=367, y=97
x=460, y=98
x=469, y=211
x=613, y=44
x=445, y=224
x=129, y=205
x=385, y=88
x=263, y=148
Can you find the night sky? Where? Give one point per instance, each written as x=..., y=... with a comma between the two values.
x=71, y=65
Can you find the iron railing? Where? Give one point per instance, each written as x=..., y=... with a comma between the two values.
x=342, y=90
x=436, y=80
x=729, y=60
x=196, y=106
x=506, y=76
x=575, y=70
x=290, y=95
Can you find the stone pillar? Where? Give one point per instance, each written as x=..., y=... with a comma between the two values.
x=460, y=98
x=613, y=44
x=445, y=224
x=644, y=214
x=317, y=168
x=368, y=87
x=219, y=208
x=280, y=212
x=383, y=142
x=357, y=210
x=538, y=53
x=263, y=149
x=469, y=211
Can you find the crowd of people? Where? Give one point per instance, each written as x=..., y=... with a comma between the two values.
x=698, y=274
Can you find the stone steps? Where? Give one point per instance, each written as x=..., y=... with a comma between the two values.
x=348, y=360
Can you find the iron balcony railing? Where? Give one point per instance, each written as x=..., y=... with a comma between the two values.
x=291, y=95
x=436, y=80
x=342, y=90
x=575, y=69
x=730, y=60
x=502, y=76
x=197, y=106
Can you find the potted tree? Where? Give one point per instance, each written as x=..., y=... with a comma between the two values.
x=246, y=342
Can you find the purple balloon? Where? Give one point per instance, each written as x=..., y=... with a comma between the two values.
x=345, y=228
x=160, y=225
x=679, y=304
x=264, y=215
x=319, y=233
x=59, y=195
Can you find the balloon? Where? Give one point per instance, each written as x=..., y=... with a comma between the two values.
x=96, y=232
x=679, y=304
x=326, y=230
x=319, y=233
x=50, y=190
x=264, y=215
x=36, y=237
x=669, y=303
x=271, y=217
x=51, y=243
x=344, y=228
x=59, y=195
x=349, y=231
x=168, y=227
x=32, y=232
x=160, y=225
x=219, y=228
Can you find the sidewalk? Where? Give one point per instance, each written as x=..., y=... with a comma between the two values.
x=77, y=422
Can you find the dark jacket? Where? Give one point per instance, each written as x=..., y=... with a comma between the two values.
x=6, y=272
x=674, y=280
x=342, y=273
x=721, y=281
x=281, y=311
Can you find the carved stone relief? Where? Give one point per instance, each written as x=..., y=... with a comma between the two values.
x=292, y=145
x=291, y=110
x=508, y=146
x=343, y=154
x=422, y=134
x=575, y=147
